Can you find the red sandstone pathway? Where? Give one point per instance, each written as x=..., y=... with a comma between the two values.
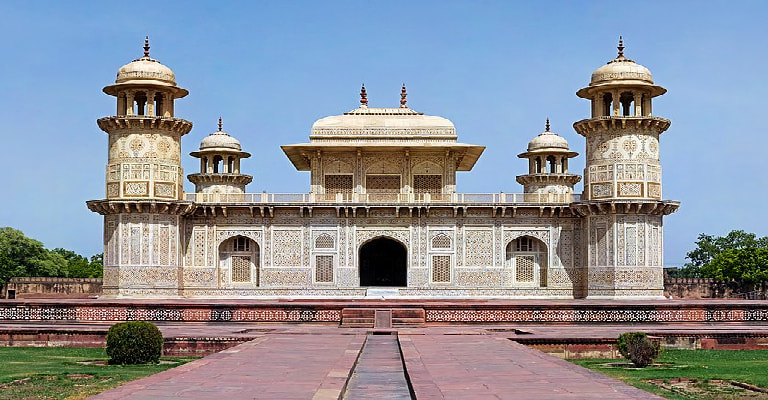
x=315, y=363
x=478, y=367
x=271, y=367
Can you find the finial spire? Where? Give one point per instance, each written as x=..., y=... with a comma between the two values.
x=621, y=47
x=363, y=96
x=403, y=97
x=220, y=124
x=146, y=46
x=547, y=125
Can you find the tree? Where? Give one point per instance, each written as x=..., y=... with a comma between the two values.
x=23, y=256
x=708, y=248
x=749, y=265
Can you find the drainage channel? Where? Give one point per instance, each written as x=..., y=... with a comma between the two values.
x=379, y=372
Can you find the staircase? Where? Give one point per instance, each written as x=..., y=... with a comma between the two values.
x=382, y=317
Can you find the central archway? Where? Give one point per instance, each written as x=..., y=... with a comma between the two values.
x=383, y=262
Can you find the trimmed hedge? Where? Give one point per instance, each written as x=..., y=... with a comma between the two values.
x=134, y=342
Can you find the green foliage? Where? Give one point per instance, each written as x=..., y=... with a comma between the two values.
x=720, y=257
x=748, y=265
x=627, y=338
x=643, y=352
x=23, y=256
x=58, y=372
x=134, y=342
x=747, y=366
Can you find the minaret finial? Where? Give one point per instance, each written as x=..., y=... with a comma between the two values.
x=363, y=97
x=220, y=124
x=146, y=46
x=621, y=47
x=403, y=97
x=547, y=125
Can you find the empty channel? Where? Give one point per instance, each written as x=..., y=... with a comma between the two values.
x=379, y=372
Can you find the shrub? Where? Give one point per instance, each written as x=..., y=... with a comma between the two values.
x=643, y=352
x=135, y=342
x=636, y=347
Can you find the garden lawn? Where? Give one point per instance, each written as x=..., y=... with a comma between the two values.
x=54, y=372
x=748, y=366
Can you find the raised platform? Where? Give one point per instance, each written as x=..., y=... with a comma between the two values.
x=433, y=312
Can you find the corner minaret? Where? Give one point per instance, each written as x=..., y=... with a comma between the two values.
x=548, y=179
x=220, y=156
x=622, y=201
x=144, y=196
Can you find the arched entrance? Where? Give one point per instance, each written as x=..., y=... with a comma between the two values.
x=383, y=262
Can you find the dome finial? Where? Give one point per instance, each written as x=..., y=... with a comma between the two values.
x=146, y=46
x=621, y=47
x=220, y=124
x=403, y=99
x=547, y=125
x=363, y=96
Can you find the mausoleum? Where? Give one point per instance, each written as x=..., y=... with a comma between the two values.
x=382, y=215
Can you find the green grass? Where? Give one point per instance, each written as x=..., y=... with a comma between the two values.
x=54, y=372
x=748, y=366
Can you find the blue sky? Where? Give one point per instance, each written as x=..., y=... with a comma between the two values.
x=497, y=69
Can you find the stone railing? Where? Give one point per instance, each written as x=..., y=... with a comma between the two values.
x=386, y=198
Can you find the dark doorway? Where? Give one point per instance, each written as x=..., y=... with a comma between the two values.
x=383, y=262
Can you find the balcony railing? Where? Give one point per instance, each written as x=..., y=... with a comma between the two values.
x=383, y=198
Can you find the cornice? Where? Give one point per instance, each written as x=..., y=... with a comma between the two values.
x=599, y=124
x=123, y=122
x=172, y=207
x=639, y=206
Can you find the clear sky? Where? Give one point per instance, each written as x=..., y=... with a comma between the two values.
x=497, y=69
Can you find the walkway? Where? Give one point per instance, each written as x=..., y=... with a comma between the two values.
x=315, y=362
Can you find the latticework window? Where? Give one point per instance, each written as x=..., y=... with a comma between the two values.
x=323, y=268
x=338, y=184
x=441, y=268
x=382, y=187
x=241, y=268
x=525, y=267
x=441, y=241
x=324, y=241
x=432, y=184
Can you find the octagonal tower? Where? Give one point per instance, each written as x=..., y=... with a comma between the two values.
x=622, y=182
x=144, y=182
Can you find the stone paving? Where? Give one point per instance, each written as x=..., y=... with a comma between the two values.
x=316, y=362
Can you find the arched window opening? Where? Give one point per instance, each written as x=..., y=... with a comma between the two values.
x=627, y=100
x=564, y=165
x=230, y=164
x=537, y=165
x=527, y=256
x=140, y=99
x=217, y=162
x=239, y=260
x=159, y=104
x=552, y=164
x=204, y=165
x=607, y=104
x=441, y=241
x=645, y=105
